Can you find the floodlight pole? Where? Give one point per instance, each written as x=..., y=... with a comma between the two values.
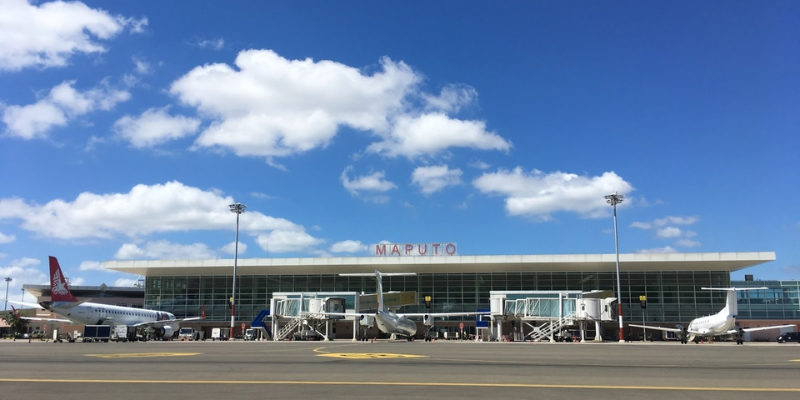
x=237, y=208
x=613, y=199
x=8, y=280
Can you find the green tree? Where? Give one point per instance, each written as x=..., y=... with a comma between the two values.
x=15, y=322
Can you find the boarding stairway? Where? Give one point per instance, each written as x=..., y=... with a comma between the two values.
x=302, y=322
x=553, y=312
x=547, y=329
x=288, y=329
x=260, y=323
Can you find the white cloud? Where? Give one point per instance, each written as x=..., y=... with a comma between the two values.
x=665, y=249
x=665, y=229
x=348, y=246
x=230, y=248
x=136, y=25
x=479, y=164
x=155, y=126
x=279, y=241
x=642, y=225
x=213, y=44
x=126, y=282
x=26, y=262
x=164, y=250
x=6, y=238
x=373, y=182
x=672, y=220
x=22, y=271
x=61, y=105
x=48, y=35
x=687, y=243
x=430, y=134
x=538, y=195
x=92, y=266
x=169, y=207
x=270, y=106
x=264, y=196
x=451, y=99
x=435, y=178
x=142, y=66
x=77, y=281
x=669, y=232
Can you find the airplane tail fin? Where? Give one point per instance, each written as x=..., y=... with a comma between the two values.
x=731, y=302
x=14, y=310
x=379, y=279
x=59, y=289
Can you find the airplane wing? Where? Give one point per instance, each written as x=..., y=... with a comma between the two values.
x=760, y=328
x=46, y=319
x=29, y=305
x=658, y=328
x=16, y=312
x=408, y=315
x=441, y=315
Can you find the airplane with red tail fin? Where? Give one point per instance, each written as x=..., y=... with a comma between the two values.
x=82, y=312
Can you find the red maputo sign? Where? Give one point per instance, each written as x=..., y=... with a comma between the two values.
x=415, y=249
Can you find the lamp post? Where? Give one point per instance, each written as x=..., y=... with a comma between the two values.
x=615, y=199
x=8, y=280
x=237, y=208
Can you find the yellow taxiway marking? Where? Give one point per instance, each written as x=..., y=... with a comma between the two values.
x=367, y=356
x=363, y=356
x=141, y=355
x=424, y=384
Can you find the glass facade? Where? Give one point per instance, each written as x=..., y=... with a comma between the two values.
x=781, y=300
x=671, y=296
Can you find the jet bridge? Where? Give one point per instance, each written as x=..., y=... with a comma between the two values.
x=303, y=315
x=549, y=313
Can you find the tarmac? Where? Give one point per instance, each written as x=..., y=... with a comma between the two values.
x=398, y=369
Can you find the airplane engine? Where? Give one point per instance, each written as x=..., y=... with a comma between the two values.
x=367, y=320
x=164, y=332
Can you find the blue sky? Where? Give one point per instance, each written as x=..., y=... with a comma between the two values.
x=128, y=127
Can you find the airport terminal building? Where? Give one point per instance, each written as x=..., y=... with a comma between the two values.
x=671, y=282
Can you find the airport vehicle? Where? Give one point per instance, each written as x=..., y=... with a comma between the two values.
x=220, y=334
x=188, y=333
x=395, y=323
x=789, y=337
x=721, y=323
x=97, y=333
x=83, y=312
x=121, y=333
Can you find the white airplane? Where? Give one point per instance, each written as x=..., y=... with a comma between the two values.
x=721, y=323
x=83, y=312
x=395, y=323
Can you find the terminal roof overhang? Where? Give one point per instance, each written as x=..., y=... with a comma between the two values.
x=443, y=264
